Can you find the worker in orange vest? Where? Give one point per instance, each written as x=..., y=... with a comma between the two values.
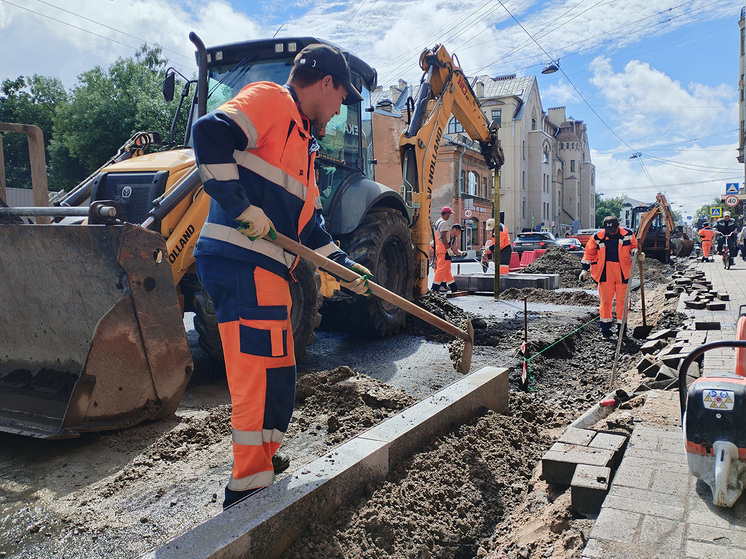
x=608, y=260
x=445, y=248
x=489, y=247
x=705, y=236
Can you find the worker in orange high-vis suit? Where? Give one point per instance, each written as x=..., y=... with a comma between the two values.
x=444, y=250
x=256, y=159
x=506, y=248
x=705, y=236
x=608, y=259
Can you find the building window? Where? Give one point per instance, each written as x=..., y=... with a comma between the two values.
x=523, y=149
x=523, y=208
x=473, y=183
x=523, y=180
x=485, y=190
x=497, y=115
x=533, y=124
x=454, y=126
x=463, y=181
x=572, y=165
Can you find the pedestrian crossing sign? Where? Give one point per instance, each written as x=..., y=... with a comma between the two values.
x=716, y=212
x=545, y=229
x=731, y=188
x=719, y=399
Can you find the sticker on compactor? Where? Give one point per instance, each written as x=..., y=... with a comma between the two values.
x=718, y=399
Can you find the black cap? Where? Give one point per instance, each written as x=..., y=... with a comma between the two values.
x=611, y=221
x=331, y=61
x=457, y=226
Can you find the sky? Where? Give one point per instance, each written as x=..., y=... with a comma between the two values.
x=655, y=81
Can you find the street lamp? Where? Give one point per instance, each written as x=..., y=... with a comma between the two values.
x=551, y=67
x=635, y=155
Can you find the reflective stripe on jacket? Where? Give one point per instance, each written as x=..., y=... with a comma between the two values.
x=595, y=253
x=257, y=149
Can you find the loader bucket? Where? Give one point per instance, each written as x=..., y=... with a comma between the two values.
x=91, y=332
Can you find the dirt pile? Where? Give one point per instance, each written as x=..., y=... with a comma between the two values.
x=538, y=295
x=340, y=403
x=444, y=501
x=557, y=260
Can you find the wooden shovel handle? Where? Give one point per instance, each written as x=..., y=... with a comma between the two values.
x=348, y=275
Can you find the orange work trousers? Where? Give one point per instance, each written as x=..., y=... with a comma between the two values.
x=607, y=290
x=706, y=248
x=443, y=264
x=252, y=306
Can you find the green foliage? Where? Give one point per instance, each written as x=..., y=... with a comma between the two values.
x=27, y=100
x=85, y=127
x=705, y=209
x=609, y=206
x=105, y=109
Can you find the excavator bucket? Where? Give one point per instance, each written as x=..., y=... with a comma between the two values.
x=91, y=331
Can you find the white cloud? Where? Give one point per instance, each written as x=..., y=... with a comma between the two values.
x=691, y=177
x=560, y=93
x=647, y=103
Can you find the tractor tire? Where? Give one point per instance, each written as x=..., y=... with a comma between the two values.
x=383, y=244
x=307, y=301
x=304, y=315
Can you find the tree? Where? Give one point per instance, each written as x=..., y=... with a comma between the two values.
x=105, y=109
x=609, y=206
x=704, y=211
x=27, y=100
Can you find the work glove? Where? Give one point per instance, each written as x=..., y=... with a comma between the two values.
x=360, y=285
x=450, y=252
x=256, y=224
x=583, y=275
x=641, y=257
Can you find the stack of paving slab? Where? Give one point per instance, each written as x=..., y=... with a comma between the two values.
x=586, y=460
x=663, y=353
x=696, y=291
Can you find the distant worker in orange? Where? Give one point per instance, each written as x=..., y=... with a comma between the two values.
x=444, y=250
x=608, y=260
x=489, y=248
x=705, y=236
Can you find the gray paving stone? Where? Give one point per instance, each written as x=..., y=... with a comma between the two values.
x=573, y=435
x=700, y=550
x=662, y=533
x=616, y=525
x=664, y=482
x=646, y=506
x=626, y=476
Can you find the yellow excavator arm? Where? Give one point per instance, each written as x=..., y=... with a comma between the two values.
x=444, y=91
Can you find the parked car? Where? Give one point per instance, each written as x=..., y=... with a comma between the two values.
x=571, y=244
x=584, y=235
x=532, y=240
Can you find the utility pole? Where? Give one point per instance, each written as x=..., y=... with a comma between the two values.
x=496, y=230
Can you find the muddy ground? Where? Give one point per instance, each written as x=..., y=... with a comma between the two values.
x=473, y=493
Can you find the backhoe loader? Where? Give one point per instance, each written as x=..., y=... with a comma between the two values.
x=93, y=338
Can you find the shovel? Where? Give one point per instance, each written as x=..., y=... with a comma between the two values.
x=641, y=332
x=338, y=270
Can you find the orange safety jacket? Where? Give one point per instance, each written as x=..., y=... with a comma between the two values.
x=706, y=234
x=504, y=237
x=595, y=253
x=257, y=149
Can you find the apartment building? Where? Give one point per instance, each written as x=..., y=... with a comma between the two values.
x=547, y=181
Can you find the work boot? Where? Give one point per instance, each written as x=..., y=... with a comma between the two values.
x=619, y=329
x=235, y=497
x=606, y=329
x=280, y=462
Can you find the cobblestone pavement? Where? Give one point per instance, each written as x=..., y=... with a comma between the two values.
x=655, y=507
